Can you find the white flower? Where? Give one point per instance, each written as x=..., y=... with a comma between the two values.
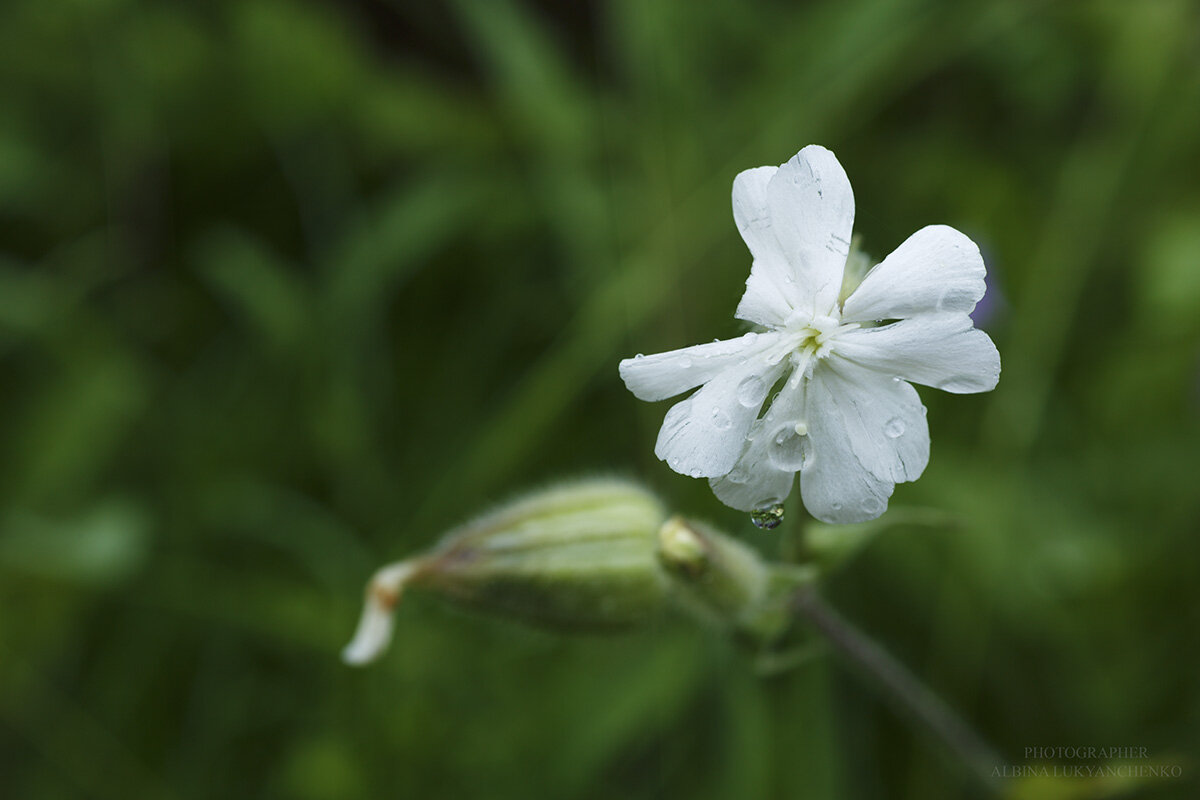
x=846, y=417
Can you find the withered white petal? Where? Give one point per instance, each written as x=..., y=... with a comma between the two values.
x=374, y=632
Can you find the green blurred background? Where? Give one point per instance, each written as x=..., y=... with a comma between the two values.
x=288, y=288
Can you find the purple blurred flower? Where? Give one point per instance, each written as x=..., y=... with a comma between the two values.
x=992, y=305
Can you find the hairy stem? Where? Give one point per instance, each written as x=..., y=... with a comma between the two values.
x=901, y=686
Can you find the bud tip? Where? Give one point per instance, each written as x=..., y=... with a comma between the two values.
x=680, y=547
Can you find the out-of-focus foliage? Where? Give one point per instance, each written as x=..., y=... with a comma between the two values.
x=289, y=288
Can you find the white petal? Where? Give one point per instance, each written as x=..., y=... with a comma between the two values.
x=883, y=418
x=768, y=299
x=835, y=485
x=771, y=291
x=757, y=479
x=703, y=435
x=812, y=214
x=752, y=214
x=374, y=632
x=664, y=375
x=936, y=269
x=944, y=351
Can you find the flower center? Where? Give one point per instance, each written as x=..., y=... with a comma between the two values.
x=812, y=336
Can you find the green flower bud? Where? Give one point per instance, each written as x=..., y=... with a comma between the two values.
x=577, y=557
x=589, y=556
x=718, y=576
x=725, y=582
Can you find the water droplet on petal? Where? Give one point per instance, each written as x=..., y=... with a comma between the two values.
x=751, y=391
x=788, y=450
x=685, y=363
x=894, y=428
x=720, y=419
x=801, y=429
x=694, y=472
x=836, y=506
x=640, y=355
x=897, y=379
x=872, y=505
x=767, y=517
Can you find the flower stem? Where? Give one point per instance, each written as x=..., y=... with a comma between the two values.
x=901, y=686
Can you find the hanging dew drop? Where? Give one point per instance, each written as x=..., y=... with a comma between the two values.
x=767, y=517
